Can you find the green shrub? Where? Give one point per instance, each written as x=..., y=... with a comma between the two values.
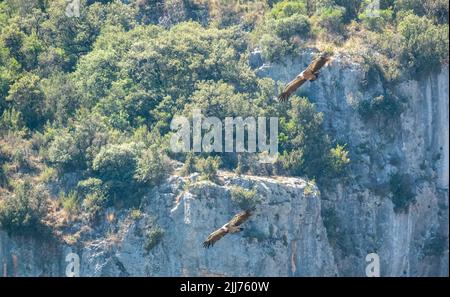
x=401, y=188
x=292, y=162
x=74, y=148
x=93, y=204
x=386, y=107
x=208, y=167
x=151, y=167
x=436, y=10
x=11, y=121
x=339, y=160
x=273, y=48
x=61, y=101
x=189, y=165
x=31, y=48
x=280, y=33
x=243, y=165
x=378, y=20
x=90, y=186
x=304, y=145
x=331, y=19
x=70, y=203
x=245, y=199
x=95, y=73
x=288, y=8
x=295, y=25
x=136, y=214
x=21, y=156
x=310, y=188
x=62, y=152
x=12, y=38
x=115, y=162
x=424, y=45
x=24, y=210
x=48, y=175
x=225, y=13
x=413, y=49
x=154, y=237
x=3, y=177
x=27, y=97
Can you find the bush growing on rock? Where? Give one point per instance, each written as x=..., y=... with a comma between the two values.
x=63, y=152
x=330, y=20
x=151, y=167
x=245, y=199
x=208, y=167
x=154, y=237
x=424, y=44
x=401, y=187
x=90, y=186
x=27, y=97
x=273, y=47
x=115, y=162
x=24, y=210
x=189, y=165
x=338, y=160
x=11, y=122
x=305, y=148
x=383, y=106
x=287, y=8
x=295, y=25
x=378, y=21
x=70, y=203
x=74, y=147
x=93, y=204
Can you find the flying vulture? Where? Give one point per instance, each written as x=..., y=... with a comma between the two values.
x=231, y=227
x=310, y=73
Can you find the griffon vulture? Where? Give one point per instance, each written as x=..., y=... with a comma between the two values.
x=310, y=73
x=231, y=227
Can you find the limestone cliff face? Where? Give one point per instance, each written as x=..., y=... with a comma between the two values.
x=285, y=236
x=281, y=239
x=416, y=144
x=297, y=230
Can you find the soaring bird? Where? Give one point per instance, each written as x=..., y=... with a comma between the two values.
x=310, y=73
x=231, y=227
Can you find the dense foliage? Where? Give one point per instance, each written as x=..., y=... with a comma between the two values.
x=24, y=210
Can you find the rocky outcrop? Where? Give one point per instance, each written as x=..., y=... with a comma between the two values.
x=285, y=236
x=415, y=143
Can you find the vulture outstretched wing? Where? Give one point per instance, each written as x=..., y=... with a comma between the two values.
x=214, y=237
x=240, y=218
x=318, y=63
x=310, y=73
x=291, y=87
x=230, y=227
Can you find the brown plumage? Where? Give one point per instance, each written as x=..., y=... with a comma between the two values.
x=231, y=227
x=310, y=73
